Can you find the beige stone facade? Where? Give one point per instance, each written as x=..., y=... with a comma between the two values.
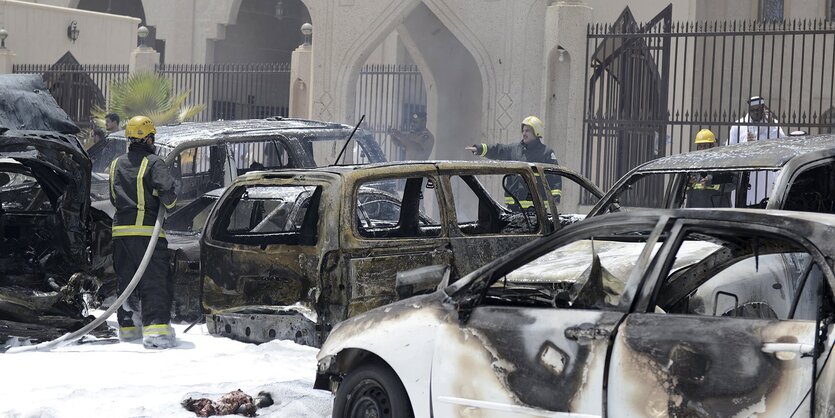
x=486, y=64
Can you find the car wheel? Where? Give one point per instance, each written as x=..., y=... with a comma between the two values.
x=371, y=391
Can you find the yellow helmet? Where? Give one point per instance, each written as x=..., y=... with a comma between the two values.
x=705, y=136
x=535, y=124
x=139, y=127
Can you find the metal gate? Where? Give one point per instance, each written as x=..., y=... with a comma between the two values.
x=652, y=87
x=626, y=113
x=77, y=88
x=387, y=94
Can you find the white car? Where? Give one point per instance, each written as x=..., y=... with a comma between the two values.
x=662, y=313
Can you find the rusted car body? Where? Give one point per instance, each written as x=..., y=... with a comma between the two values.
x=651, y=313
x=51, y=241
x=334, y=238
x=790, y=173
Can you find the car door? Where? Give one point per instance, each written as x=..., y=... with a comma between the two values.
x=495, y=212
x=396, y=225
x=533, y=333
x=730, y=333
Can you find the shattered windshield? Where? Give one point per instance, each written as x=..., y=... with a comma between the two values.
x=590, y=273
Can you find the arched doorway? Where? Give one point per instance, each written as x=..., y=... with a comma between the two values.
x=426, y=44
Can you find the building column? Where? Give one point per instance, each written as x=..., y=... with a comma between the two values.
x=565, y=57
x=6, y=55
x=143, y=58
x=565, y=50
x=301, y=76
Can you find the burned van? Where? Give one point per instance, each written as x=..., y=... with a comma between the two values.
x=332, y=239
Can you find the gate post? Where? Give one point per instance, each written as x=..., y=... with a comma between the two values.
x=301, y=76
x=143, y=58
x=6, y=55
x=565, y=57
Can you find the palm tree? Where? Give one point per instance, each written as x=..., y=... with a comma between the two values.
x=147, y=94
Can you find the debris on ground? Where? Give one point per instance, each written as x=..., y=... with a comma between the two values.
x=235, y=402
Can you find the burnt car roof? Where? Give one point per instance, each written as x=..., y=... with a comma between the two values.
x=172, y=136
x=394, y=165
x=758, y=154
x=26, y=104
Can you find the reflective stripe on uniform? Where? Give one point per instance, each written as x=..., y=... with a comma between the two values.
x=174, y=203
x=156, y=329
x=556, y=192
x=483, y=149
x=113, y=178
x=140, y=193
x=700, y=186
x=523, y=203
x=135, y=231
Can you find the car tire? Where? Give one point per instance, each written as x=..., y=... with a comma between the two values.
x=371, y=390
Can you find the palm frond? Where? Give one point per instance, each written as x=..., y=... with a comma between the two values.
x=147, y=94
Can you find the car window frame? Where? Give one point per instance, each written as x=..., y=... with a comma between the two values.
x=359, y=183
x=220, y=214
x=682, y=227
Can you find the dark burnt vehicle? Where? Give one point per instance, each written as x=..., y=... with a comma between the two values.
x=51, y=241
x=692, y=312
x=332, y=239
x=205, y=157
x=795, y=173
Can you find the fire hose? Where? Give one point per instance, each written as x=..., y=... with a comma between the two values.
x=69, y=338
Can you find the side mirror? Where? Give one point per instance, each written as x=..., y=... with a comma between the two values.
x=421, y=280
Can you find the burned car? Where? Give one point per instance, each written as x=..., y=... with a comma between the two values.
x=51, y=241
x=727, y=312
x=333, y=238
x=790, y=173
x=205, y=157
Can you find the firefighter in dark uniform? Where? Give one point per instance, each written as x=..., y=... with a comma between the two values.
x=139, y=182
x=529, y=149
x=708, y=190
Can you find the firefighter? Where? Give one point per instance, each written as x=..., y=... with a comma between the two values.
x=529, y=149
x=418, y=141
x=139, y=182
x=708, y=190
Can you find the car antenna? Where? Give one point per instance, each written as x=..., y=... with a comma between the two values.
x=347, y=141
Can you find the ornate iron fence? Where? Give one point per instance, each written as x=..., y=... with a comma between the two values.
x=77, y=88
x=233, y=91
x=229, y=91
x=651, y=87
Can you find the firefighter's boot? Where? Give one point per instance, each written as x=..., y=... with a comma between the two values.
x=158, y=336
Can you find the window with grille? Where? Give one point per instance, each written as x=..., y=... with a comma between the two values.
x=771, y=10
